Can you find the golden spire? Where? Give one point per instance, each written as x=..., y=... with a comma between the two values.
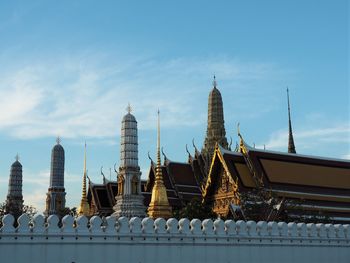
x=159, y=205
x=84, y=206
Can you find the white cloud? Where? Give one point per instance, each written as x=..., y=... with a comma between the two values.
x=310, y=138
x=85, y=95
x=35, y=186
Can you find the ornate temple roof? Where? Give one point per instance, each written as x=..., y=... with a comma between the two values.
x=322, y=183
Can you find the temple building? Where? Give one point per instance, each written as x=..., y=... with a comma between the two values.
x=220, y=176
x=14, y=200
x=56, y=195
x=183, y=180
x=318, y=185
x=128, y=198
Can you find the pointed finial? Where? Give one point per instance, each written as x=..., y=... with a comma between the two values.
x=17, y=157
x=58, y=140
x=84, y=206
x=85, y=158
x=214, y=82
x=238, y=130
x=158, y=141
x=291, y=146
x=288, y=102
x=128, y=108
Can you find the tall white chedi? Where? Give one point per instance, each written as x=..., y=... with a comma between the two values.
x=129, y=200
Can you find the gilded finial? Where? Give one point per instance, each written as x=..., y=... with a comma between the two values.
x=128, y=108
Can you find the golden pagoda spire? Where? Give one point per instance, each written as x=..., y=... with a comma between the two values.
x=159, y=205
x=84, y=206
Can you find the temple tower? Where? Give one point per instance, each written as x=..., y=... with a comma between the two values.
x=129, y=200
x=216, y=125
x=84, y=209
x=159, y=205
x=56, y=195
x=14, y=200
x=291, y=146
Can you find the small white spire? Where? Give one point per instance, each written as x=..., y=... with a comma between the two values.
x=214, y=82
x=128, y=108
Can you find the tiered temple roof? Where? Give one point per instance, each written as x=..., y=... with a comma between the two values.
x=320, y=184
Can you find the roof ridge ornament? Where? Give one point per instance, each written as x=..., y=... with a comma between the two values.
x=163, y=153
x=115, y=170
x=194, y=145
x=239, y=131
x=230, y=144
x=188, y=150
x=103, y=175
x=149, y=157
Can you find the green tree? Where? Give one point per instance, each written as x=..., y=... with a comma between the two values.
x=195, y=209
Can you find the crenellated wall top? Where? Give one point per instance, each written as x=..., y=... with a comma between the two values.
x=206, y=230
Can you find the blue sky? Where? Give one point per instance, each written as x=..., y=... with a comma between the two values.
x=71, y=68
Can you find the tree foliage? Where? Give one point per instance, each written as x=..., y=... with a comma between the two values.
x=27, y=209
x=263, y=205
x=195, y=209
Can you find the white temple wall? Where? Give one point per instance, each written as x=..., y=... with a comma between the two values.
x=170, y=241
